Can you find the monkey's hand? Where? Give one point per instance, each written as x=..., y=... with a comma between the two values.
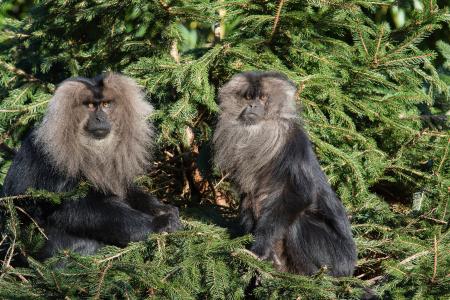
x=169, y=221
x=262, y=249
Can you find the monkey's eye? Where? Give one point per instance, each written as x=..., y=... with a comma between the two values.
x=263, y=98
x=248, y=97
x=106, y=104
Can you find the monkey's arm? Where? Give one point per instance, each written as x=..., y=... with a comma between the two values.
x=150, y=205
x=106, y=219
x=142, y=201
x=247, y=217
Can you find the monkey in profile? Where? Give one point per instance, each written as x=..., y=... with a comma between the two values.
x=94, y=130
x=287, y=203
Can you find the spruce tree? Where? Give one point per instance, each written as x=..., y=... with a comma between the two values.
x=368, y=94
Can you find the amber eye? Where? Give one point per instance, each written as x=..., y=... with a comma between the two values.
x=106, y=104
x=248, y=97
x=91, y=105
x=263, y=98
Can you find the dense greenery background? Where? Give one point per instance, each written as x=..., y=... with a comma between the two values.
x=373, y=83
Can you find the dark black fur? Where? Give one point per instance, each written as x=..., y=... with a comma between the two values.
x=313, y=220
x=88, y=223
x=84, y=225
x=297, y=219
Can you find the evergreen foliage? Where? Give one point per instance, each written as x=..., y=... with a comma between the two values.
x=373, y=103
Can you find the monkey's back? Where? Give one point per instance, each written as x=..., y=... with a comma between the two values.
x=320, y=235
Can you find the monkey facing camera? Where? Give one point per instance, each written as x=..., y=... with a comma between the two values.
x=287, y=203
x=95, y=130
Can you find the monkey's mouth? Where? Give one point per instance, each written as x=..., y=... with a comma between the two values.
x=249, y=118
x=100, y=133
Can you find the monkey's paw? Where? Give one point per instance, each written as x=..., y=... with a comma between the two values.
x=168, y=222
x=261, y=250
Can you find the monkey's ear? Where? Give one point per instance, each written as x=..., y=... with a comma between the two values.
x=291, y=91
x=235, y=85
x=285, y=85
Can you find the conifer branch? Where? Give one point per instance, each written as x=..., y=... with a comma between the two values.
x=378, y=47
x=101, y=280
x=117, y=255
x=26, y=108
x=358, y=108
x=444, y=158
x=12, y=247
x=405, y=59
x=166, y=6
x=32, y=220
x=435, y=261
x=18, y=72
x=363, y=42
x=15, y=197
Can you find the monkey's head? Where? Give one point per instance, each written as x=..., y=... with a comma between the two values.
x=97, y=128
x=253, y=97
x=96, y=103
x=256, y=110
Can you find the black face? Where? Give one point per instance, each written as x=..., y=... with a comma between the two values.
x=256, y=100
x=255, y=109
x=98, y=125
x=98, y=107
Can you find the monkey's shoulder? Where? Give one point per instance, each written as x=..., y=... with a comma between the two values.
x=296, y=151
x=298, y=163
x=31, y=168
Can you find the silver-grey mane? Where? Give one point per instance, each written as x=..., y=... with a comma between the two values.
x=245, y=150
x=109, y=164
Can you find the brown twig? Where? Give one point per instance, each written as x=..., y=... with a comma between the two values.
x=413, y=257
x=174, y=51
x=221, y=180
x=375, y=58
x=3, y=239
x=14, y=197
x=10, y=252
x=363, y=43
x=405, y=59
x=434, y=220
x=176, y=269
x=20, y=276
x=435, y=259
x=114, y=256
x=166, y=6
x=32, y=220
x=277, y=18
x=18, y=71
x=300, y=89
x=444, y=158
x=102, y=278
x=374, y=280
